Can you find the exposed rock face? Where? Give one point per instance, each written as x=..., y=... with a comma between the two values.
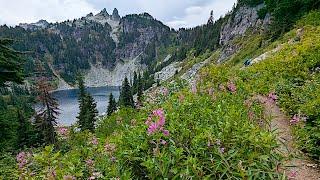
x=42, y=24
x=99, y=76
x=140, y=31
x=115, y=15
x=168, y=71
x=190, y=75
x=238, y=23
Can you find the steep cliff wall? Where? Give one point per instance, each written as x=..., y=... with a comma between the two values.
x=238, y=22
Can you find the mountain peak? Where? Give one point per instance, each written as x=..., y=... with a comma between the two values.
x=115, y=14
x=104, y=12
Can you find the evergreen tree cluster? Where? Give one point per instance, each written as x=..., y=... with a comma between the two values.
x=88, y=108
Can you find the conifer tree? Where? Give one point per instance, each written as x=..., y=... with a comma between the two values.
x=88, y=108
x=47, y=116
x=211, y=19
x=126, y=98
x=91, y=113
x=11, y=67
x=112, y=107
x=135, y=83
x=24, y=130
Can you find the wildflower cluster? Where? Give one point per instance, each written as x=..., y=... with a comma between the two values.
x=220, y=147
x=296, y=119
x=94, y=141
x=22, y=159
x=272, y=97
x=232, y=87
x=93, y=173
x=63, y=132
x=110, y=148
x=157, y=126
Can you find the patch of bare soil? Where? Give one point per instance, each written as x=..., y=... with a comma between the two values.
x=296, y=166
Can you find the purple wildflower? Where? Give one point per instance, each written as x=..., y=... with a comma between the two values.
x=181, y=98
x=166, y=132
x=163, y=142
x=272, y=97
x=154, y=127
x=296, y=119
x=110, y=148
x=22, y=159
x=232, y=87
x=63, y=132
x=292, y=174
x=210, y=91
x=221, y=150
x=94, y=141
x=251, y=115
x=54, y=173
x=113, y=159
x=89, y=162
x=165, y=92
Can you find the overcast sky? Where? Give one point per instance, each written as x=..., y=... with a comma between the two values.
x=174, y=13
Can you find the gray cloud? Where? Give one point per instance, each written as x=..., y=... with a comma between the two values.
x=175, y=13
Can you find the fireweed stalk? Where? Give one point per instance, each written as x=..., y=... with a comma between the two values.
x=157, y=127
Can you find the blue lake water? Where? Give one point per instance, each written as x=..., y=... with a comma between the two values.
x=69, y=106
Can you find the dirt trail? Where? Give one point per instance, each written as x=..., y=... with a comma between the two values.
x=297, y=166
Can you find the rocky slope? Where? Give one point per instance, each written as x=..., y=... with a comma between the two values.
x=238, y=23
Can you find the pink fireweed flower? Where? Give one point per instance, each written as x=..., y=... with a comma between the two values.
x=163, y=142
x=89, y=162
x=181, y=98
x=221, y=150
x=154, y=127
x=165, y=91
x=297, y=118
x=113, y=159
x=232, y=87
x=109, y=147
x=210, y=91
x=293, y=174
x=62, y=131
x=251, y=115
x=272, y=97
x=22, y=159
x=94, y=141
x=166, y=132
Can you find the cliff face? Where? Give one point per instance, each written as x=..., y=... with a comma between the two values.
x=238, y=22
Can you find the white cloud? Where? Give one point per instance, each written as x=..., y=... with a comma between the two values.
x=196, y=15
x=194, y=10
x=13, y=12
x=174, y=13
